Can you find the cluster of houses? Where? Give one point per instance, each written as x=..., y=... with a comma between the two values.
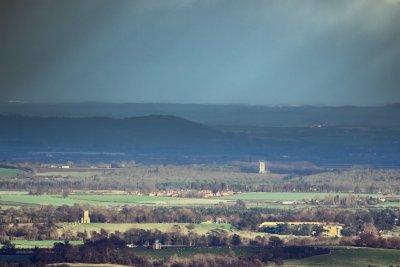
x=73, y=165
x=209, y=193
x=199, y=193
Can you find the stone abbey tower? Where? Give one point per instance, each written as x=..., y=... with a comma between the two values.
x=261, y=167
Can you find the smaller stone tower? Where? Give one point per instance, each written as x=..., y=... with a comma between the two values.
x=85, y=218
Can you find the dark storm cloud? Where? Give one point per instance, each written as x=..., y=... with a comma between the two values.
x=256, y=52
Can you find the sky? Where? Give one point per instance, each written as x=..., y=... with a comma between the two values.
x=278, y=52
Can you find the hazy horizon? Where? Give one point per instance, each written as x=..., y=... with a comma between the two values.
x=193, y=103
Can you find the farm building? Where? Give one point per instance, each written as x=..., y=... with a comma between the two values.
x=332, y=230
x=157, y=244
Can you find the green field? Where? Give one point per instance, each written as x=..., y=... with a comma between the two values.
x=253, y=199
x=98, y=199
x=67, y=173
x=389, y=204
x=25, y=199
x=8, y=173
x=351, y=257
x=151, y=200
x=40, y=243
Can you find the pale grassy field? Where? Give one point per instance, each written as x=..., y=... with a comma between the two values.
x=287, y=196
x=57, y=200
x=40, y=243
x=201, y=228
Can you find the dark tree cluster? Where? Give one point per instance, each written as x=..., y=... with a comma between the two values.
x=110, y=250
x=113, y=250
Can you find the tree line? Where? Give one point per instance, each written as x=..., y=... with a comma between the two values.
x=237, y=215
x=150, y=178
x=41, y=223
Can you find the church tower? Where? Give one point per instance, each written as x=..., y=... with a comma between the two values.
x=85, y=218
x=261, y=167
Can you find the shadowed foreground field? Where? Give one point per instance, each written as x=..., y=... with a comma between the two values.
x=188, y=252
x=87, y=265
x=339, y=257
x=351, y=257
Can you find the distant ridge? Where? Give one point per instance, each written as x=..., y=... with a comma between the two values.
x=226, y=115
x=166, y=138
x=153, y=131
